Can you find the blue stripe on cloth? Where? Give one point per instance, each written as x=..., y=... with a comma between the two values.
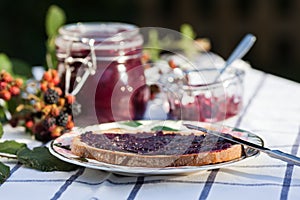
x=136, y=188
x=68, y=182
x=207, y=187
x=15, y=168
x=153, y=182
x=208, y=184
x=289, y=171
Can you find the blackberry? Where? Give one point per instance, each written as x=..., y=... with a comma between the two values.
x=51, y=96
x=41, y=133
x=43, y=136
x=62, y=119
x=48, y=123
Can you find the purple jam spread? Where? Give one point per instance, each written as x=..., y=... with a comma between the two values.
x=156, y=143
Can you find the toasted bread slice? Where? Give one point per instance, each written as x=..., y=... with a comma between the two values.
x=156, y=159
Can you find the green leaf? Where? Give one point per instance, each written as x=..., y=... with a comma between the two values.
x=163, y=128
x=238, y=129
x=4, y=172
x=132, y=123
x=5, y=63
x=187, y=31
x=55, y=18
x=41, y=159
x=153, y=47
x=21, y=68
x=1, y=130
x=2, y=116
x=187, y=40
x=51, y=59
x=11, y=146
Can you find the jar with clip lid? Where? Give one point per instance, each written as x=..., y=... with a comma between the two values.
x=100, y=63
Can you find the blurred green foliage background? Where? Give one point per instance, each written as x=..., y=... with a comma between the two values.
x=274, y=22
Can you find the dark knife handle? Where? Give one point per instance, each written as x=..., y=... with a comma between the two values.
x=284, y=156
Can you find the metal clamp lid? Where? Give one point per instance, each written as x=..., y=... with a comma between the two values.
x=90, y=64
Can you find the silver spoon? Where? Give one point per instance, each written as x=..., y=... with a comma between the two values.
x=242, y=48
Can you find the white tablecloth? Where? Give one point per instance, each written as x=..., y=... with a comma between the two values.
x=271, y=110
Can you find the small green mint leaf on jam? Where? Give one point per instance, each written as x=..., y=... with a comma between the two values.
x=132, y=123
x=163, y=128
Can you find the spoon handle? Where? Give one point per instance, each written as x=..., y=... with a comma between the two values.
x=240, y=50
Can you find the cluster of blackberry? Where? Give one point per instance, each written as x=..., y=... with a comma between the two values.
x=47, y=114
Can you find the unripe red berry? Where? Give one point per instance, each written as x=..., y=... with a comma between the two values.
x=50, y=85
x=44, y=86
x=7, y=77
x=5, y=95
x=19, y=82
x=29, y=124
x=70, y=125
x=70, y=99
x=3, y=85
x=56, y=80
x=172, y=64
x=47, y=76
x=14, y=90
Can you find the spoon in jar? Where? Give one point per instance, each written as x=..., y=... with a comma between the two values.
x=242, y=48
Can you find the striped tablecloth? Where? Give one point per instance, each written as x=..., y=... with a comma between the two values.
x=271, y=110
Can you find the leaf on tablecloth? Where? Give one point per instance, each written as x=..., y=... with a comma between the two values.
x=41, y=159
x=4, y=172
x=11, y=146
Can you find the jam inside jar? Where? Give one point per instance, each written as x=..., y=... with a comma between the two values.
x=100, y=63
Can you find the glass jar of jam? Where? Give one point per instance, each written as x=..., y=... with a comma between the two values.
x=100, y=63
x=199, y=97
